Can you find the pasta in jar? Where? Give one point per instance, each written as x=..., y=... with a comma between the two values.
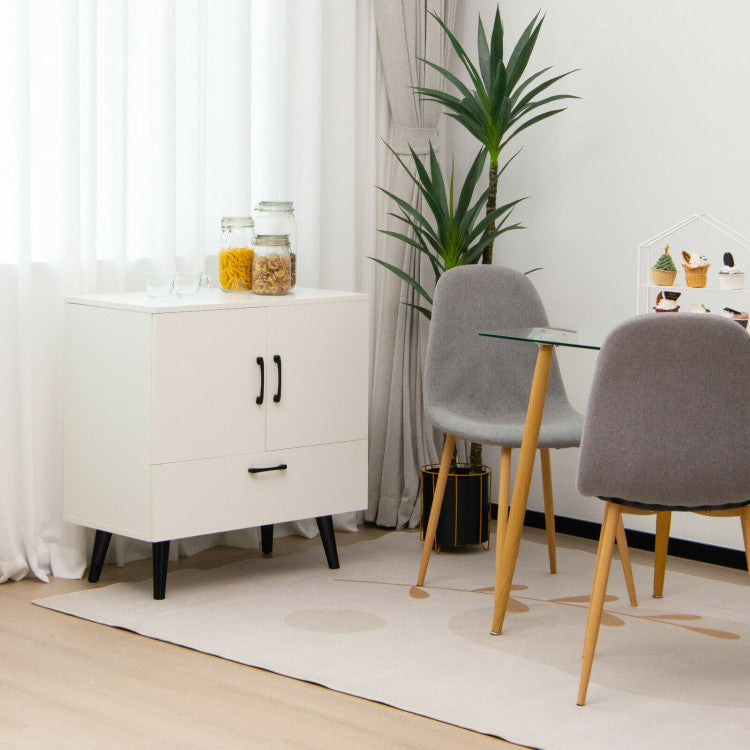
x=236, y=269
x=236, y=254
x=272, y=265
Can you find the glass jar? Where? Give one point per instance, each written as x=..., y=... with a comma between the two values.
x=277, y=217
x=272, y=264
x=236, y=253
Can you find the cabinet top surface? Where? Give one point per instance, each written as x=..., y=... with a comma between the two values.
x=209, y=299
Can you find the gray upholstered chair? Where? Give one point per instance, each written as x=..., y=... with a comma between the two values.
x=667, y=428
x=477, y=388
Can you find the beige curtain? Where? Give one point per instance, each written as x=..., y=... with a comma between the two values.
x=400, y=438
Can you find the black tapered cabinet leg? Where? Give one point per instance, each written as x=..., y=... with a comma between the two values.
x=101, y=543
x=160, y=553
x=325, y=526
x=266, y=539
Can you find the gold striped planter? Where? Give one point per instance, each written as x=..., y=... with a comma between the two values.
x=465, y=513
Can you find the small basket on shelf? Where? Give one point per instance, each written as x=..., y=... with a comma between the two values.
x=695, y=276
x=663, y=278
x=664, y=272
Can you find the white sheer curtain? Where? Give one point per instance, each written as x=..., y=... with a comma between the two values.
x=127, y=130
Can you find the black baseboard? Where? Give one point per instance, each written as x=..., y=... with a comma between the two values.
x=707, y=553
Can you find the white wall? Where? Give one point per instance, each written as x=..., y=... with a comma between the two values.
x=660, y=133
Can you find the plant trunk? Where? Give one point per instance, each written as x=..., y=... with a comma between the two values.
x=491, y=205
x=475, y=454
x=475, y=457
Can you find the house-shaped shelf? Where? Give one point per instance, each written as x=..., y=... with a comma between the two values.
x=705, y=235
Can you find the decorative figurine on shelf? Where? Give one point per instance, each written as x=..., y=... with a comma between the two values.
x=667, y=302
x=696, y=269
x=664, y=271
x=730, y=277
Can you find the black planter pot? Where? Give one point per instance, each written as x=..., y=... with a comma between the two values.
x=465, y=513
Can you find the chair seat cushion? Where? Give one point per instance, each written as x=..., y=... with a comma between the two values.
x=561, y=426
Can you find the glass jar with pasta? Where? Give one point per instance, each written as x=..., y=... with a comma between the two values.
x=236, y=253
x=272, y=264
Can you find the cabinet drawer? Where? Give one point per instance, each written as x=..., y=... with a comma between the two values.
x=219, y=494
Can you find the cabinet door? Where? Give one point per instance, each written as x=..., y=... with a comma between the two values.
x=205, y=381
x=323, y=354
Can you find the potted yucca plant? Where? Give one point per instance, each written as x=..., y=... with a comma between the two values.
x=452, y=229
x=498, y=104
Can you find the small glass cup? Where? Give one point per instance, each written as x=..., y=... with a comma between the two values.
x=159, y=283
x=187, y=283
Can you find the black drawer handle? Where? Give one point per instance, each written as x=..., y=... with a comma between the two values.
x=257, y=470
x=259, y=399
x=277, y=395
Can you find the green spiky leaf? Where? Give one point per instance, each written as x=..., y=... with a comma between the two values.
x=493, y=106
x=452, y=227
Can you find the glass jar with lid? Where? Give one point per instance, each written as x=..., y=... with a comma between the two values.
x=272, y=264
x=236, y=253
x=277, y=217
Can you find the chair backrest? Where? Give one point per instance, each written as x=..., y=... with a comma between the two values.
x=475, y=375
x=668, y=418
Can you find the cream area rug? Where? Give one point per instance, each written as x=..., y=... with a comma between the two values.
x=671, y=673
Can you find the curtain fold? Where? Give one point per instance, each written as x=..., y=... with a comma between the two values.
x=401, y=440
x=128, y=130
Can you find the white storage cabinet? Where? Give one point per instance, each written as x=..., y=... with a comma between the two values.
x=186, y=416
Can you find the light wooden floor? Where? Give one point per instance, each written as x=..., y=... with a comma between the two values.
x=69, y=683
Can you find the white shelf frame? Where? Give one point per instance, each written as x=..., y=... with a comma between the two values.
x=644, y=258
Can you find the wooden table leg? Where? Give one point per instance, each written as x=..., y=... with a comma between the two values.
x=504, y=574
x=549, y=509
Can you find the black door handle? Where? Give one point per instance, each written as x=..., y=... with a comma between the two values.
x=259, y=399
x=257, y=470
x=277, y=395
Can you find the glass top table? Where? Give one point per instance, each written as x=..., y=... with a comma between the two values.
x=583, y=338
x=547, y=338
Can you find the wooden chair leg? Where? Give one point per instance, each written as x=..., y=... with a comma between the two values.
x=627, y=570
x=598, y=592
x=745, y=518
x=437, y=502
x=661, y=543
x=503, y=496
x=549, y=509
